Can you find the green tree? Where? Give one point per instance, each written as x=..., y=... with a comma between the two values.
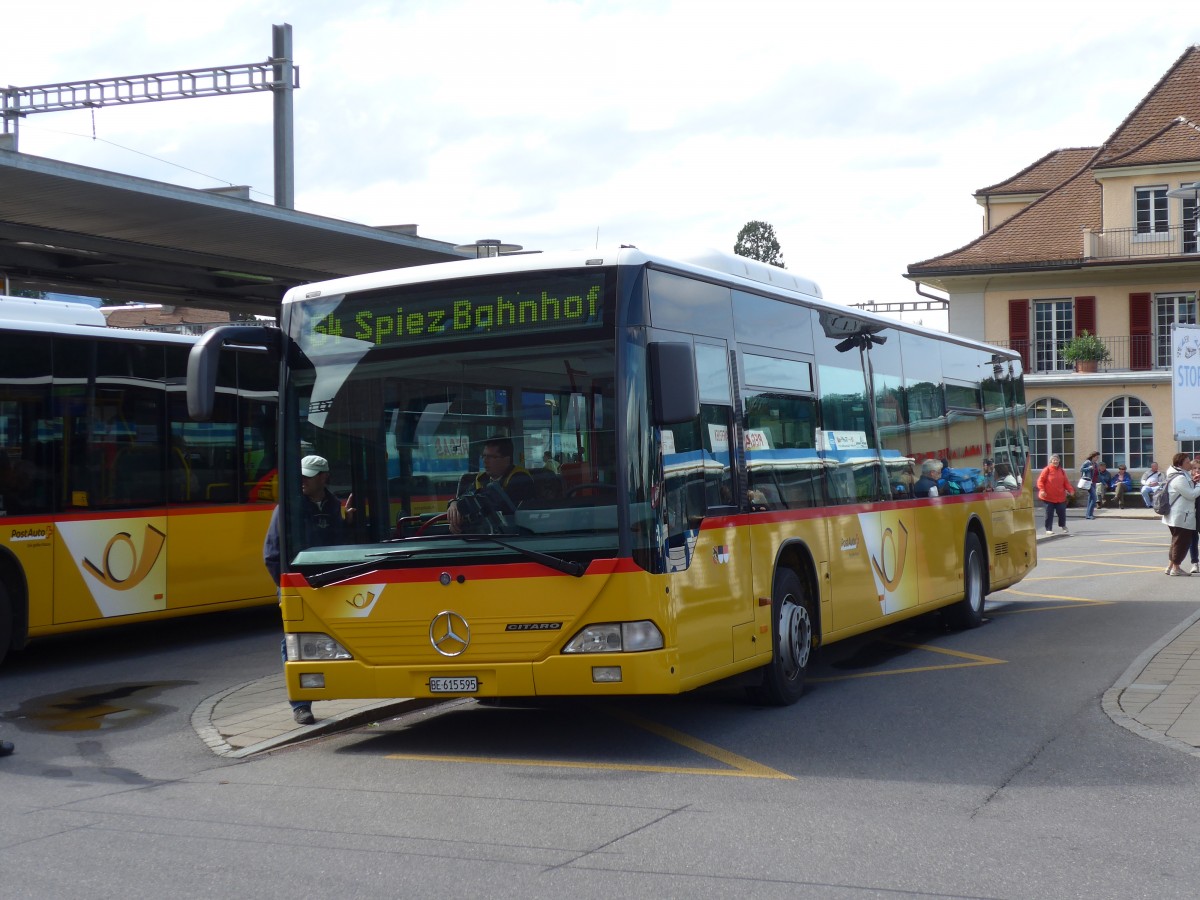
x=757, y=240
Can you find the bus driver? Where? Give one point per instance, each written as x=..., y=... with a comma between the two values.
x=498, y=473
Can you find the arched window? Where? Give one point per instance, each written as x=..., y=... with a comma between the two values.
x=1127, y=433
x=1051, y=431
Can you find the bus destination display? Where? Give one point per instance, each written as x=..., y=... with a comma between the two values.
x=509, y=308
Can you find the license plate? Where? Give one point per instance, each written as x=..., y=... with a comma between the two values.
x=453, y=685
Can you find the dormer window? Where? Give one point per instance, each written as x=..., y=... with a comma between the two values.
x=1150, y=210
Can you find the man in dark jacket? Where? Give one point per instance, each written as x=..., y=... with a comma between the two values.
x=322, y=525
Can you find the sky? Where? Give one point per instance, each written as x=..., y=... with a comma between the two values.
x=858, y=130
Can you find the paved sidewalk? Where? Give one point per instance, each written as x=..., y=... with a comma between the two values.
x=254, y=717
x=1158, y=697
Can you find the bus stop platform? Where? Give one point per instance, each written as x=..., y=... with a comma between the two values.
x=255, y=717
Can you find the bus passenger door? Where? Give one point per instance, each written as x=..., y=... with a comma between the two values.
x=707, y=551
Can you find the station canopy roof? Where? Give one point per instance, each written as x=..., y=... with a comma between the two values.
x=70, y=229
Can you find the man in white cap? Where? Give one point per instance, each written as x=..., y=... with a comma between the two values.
x=321, y=517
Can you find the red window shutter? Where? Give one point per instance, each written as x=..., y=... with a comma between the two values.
x=1018, y=329
x=1085, y=315
x=1141, y=331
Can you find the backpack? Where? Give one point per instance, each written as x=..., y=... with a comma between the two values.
x=1160, y=498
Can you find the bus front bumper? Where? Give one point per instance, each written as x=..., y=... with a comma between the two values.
x=592, y=674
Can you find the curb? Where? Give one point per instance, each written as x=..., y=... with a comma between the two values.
x=1110, y=702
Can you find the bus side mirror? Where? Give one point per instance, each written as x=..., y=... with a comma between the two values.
x=673, y=388
x=204, y=361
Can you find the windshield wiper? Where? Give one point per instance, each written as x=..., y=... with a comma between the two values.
x=379, y=561
x=566, y=566
x=385, y=560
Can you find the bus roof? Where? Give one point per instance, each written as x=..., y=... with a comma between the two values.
x=62, y=317
x=49, y=312
x=735, y=271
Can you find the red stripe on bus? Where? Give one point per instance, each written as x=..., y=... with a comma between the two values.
x=491, y=571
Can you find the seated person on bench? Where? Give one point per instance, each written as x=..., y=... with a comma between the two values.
x=1121, y=485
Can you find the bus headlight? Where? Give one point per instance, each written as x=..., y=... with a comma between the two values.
x=313, y=645
x=616, y=637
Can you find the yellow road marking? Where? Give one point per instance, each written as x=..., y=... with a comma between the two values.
x=740, y=767
x=745, y=766
x=1130, y=570
x=974, y=660
x=1106, y=555
x=1074, y=603
x=1090, y=562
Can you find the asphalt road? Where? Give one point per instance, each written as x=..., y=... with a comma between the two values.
x=923, y=762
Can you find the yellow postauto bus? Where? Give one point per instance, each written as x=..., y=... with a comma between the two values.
x=115, y=506
x=721, y=472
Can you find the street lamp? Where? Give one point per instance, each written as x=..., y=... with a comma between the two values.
x=488, y=247
x=1188, y=192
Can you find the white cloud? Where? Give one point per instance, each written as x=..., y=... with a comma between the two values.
x=858, y=130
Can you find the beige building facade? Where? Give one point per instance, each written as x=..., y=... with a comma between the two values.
x=1100, y=240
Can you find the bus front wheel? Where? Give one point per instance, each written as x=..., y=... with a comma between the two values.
x=968, y=612
x=792, y=641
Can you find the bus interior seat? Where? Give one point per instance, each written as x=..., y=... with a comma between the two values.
x=546, y=484
x=138, y=475
x=771, y=496
x=219, y=492
x=466, y=483
x=574, y=474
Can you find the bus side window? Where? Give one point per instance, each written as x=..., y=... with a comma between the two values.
x=782, y=464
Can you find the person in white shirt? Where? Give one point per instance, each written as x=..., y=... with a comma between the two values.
x=1151, y=480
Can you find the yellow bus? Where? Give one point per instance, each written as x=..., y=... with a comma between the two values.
x=115, y=506
x=726, y=474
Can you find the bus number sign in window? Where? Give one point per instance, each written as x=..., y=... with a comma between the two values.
x=469, y=309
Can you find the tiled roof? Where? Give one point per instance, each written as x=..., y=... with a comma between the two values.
x=1048, y=230
x=143, y=316
x=1158, y=130
x=1176, y=94
x=1045, y=174
x=1178, y=141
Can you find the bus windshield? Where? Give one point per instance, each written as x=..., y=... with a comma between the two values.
x=503, y=409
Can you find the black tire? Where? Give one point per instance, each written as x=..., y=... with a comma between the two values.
x=6, y=622
x=791, y=642
x=968, y=612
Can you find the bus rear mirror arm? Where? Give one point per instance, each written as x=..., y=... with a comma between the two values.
x=673, y=388
x=205, y=357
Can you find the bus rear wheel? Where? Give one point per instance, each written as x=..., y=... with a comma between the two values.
x=968, y=612
x=792, y=641
x=6, y=621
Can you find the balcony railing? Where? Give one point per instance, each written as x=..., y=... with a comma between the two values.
x=1125, y=354
x=1129, y=243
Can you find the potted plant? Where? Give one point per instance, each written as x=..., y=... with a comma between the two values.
x=1084, y=351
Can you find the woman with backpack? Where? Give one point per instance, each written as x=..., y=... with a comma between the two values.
x=1181, y=492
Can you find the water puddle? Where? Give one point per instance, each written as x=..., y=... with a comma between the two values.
x=100, y=707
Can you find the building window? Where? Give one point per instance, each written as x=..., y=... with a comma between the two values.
x=1051, y=431
x=1127, y=433
x=1151, y=210
x=1170, y=309
x=1053, y=325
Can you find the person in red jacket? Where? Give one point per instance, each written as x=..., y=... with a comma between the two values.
x=1053, y=489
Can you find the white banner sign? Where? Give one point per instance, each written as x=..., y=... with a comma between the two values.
x=1185, y=381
